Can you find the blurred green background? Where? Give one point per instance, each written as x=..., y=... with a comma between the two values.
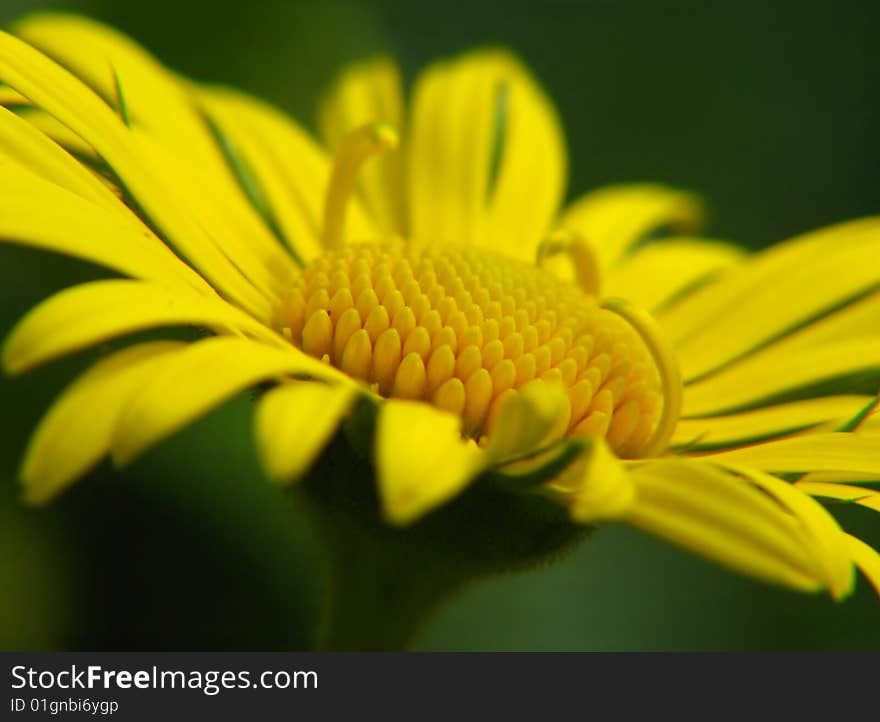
x=769, y=110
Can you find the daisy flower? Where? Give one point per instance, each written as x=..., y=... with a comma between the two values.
x=413, y=278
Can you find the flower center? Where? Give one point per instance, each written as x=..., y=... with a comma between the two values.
x=463, y=328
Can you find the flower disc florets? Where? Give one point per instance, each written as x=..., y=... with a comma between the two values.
x=464, y=329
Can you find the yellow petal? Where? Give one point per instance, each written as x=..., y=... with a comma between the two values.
x=155, y=100
x=663, y=271
x=199, y=378
x=40, y=214
x=836, y=452
x=783, y=301
x=295, y=422
x=24, y=144
x=291, y=169
x=486, y=155
x=842, y=492
x=768, y=378
x=827, y=537
x=76, y=432
x=726, y=519
x=366, y=92
x=93, y=312
x=778, y=289
x=524, y=421
x=233, y=229
x=421, y=459
x=866, y=559
x=60, y=134
x=614, y=218
x=599, y=484
x=10, y=97
x=749, y=427
x=146, y=169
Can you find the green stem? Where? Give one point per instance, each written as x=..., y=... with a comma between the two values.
x=384, y=582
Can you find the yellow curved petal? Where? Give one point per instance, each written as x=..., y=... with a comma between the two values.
x=233, y=229
x=834, y=452
x=687, y=320
x=87, y=314
x=40, y=214
x=421, y=459
x=527, y=420
x=10, y=97
x=662, y=271
x=786, y=300
x=842, y=492
x=199, y=378
x=487, y=160
x=829, y=545
x=366, y=92
x=58, y=133
x=771, y=377
x=155, y=100
x=160, y=105
x=289, y=166
x=294, y=423
x=75, y=433
x=866, y=559
x=726, y=519
x=615, y=218
x=748, y=427
x=145, y=168
x=23, y=143
x=598, y=484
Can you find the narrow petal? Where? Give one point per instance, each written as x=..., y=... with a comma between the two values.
x=827, y=536
x=58, y=133
x=615, y=218
x=600, y=487
x=24, y=144
x=527, y=420
x=366, y=92
x=787, y=301
x=294, y=423
x=10, y=97
x=122, y=72
x=849, y=366
x=866, y=559
x=421, y=459
x=85, y=315
x=486, y=156
x=663, y=271
x=147, y=169
x=835, y=452
x=291, y=169
x=842, y=492
x=198, y=379
x=75, y=433
x=787, y=266
x=726, y=519
x=750, y=427
x=40, y=214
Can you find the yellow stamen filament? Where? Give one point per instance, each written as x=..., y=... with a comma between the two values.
x=357, y=147
x=666, y=363
x=573, y=247
x=464, y=329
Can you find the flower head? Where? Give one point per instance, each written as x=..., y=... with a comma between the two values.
x=418, y=264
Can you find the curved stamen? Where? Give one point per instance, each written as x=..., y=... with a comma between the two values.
x=359, y=145
x=667, y=365
x=579, y=253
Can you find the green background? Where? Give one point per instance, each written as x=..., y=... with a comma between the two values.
x=768, y=109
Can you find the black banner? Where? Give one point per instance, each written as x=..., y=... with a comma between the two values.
x=276, y=686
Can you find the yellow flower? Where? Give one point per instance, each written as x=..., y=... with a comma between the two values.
x=437, y=293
